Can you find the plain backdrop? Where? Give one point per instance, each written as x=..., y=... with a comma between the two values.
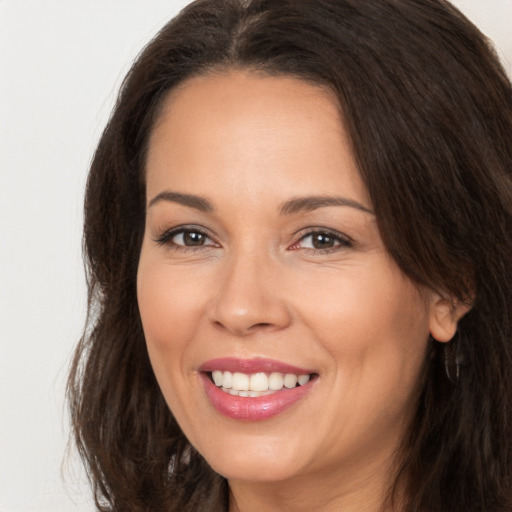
x=61, y=63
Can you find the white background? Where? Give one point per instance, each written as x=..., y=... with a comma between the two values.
x=61, y=63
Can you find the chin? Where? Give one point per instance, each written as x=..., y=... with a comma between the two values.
x=254, y=470
x=255, y=462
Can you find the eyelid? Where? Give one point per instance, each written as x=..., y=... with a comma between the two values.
x=165, y=238
x=343, y=240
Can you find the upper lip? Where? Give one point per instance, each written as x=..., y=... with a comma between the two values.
x=253, y=365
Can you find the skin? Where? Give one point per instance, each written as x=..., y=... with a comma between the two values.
x=257, y=287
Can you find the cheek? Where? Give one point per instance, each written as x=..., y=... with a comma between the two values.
x=371, y=323
x=169, y=305
x=169, y=312
x=167, y=309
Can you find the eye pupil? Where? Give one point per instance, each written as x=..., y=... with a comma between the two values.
x=322, y=241
x=192, y=238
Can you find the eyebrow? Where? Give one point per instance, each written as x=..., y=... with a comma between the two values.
x=310, y=203
x=190, y=200
x=290, y=207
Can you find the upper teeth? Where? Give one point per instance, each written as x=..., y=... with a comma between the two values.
x=243, y=384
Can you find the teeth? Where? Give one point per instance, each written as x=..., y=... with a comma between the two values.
x=254, y=394
x=218, y=378
x=256, y=384
x=240, y=382
x=303, y=379
x=290, y=380
x=227, y=380
x=276, y=381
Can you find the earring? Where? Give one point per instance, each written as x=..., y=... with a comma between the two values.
x=454, y=358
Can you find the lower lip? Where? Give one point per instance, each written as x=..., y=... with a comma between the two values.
x=253, y=408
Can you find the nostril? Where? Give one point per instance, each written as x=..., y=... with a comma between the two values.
x=241, y=329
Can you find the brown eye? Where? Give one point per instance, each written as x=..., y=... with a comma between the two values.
x=190, y=238
x=184, y=238
x=323, y=240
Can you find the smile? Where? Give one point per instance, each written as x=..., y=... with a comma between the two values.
x=256, y=384
x=254, y=389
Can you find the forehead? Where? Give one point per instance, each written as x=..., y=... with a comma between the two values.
x=242, y=88
x=236, y=128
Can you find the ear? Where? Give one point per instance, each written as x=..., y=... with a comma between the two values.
x=445, y=313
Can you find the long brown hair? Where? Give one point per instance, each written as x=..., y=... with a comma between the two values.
x=429, y=112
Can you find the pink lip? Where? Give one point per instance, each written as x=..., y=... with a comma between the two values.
x=233, y=364
x=252, y=408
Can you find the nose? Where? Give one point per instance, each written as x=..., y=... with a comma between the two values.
x=250, y=297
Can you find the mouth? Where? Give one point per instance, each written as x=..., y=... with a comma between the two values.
x=254, y=389
x=257, y=384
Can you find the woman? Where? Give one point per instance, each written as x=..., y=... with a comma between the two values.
x=298, y=233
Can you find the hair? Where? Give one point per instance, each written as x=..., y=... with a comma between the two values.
x=428, y=109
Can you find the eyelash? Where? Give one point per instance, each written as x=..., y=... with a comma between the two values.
x=340, y=240
x=166, y=238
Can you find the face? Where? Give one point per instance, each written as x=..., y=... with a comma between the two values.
x=284, y=338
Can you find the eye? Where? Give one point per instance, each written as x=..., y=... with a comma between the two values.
x=185, y=238
x=189, y=238
x=322, y=241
